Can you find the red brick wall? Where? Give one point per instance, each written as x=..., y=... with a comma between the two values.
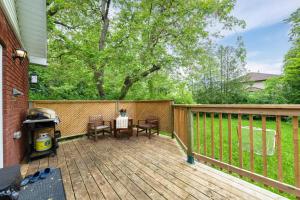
x=15, y=75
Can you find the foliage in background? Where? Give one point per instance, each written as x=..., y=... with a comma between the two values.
x=291, y=76
x=145, y=44
x=153, y=50
x=285, y=89
x=272, y=94
x=219, y=78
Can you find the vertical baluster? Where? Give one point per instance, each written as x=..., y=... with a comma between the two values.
x=264, y=145
x=181, y=128
x=240, y=140
x=229, y=140
x=176, y=121
x=204, y=133
x=251, y=143
x=198, y=134
x=279, y=153
x=185, y=114
x=220, y=137
x=296, y=151
x=181, y=122
x=212, y=115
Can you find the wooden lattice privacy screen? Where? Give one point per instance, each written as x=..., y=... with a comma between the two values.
x=74, y=114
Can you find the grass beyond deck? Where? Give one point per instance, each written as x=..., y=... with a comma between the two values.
x=286, y=140
x=140, y=168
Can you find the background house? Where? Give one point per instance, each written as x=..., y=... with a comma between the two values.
x=22, y=25
x=257, y=80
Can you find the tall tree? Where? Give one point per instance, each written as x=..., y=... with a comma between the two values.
x=122, y=43
x=162, y=33
x=220, y=76
x=291, y=75
x=99, y=71
x=232, y=68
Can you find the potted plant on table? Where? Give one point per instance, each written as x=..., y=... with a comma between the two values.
x=123, y=112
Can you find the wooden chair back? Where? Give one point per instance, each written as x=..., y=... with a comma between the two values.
x=97, y=120
x=152, y=120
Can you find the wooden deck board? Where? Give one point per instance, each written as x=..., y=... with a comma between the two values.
x=202, y=185
x=172, y=162
x=165, y=172
x=102, y=174
x=140, y=168
x=62, y=164
x=209, y=172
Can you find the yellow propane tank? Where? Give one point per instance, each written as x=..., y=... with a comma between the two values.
x=43, y=142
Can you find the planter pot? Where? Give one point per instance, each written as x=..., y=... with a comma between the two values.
x=123, y=114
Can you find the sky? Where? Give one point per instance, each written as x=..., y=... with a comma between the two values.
x=266, y=34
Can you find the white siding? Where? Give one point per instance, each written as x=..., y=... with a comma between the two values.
x=32, y=18
x=28, y=18
x=259, y=85
x=9, y=8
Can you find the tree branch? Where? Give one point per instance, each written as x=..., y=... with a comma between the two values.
x=130, y=80
x=65, y=25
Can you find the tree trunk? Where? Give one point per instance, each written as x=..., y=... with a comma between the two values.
x=98, y=76
x=130, y=80
x=221, y=73
x=104, y=15
x=99, y=72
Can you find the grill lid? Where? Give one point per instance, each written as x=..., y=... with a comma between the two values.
x=41, y=113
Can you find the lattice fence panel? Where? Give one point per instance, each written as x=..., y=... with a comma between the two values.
x=160, y=109
x=74, y=114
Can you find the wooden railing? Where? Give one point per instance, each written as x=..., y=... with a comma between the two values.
x=203, y=132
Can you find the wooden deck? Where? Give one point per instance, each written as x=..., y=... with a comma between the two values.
x=140, y=168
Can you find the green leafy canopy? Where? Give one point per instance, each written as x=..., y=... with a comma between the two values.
x=127, y=49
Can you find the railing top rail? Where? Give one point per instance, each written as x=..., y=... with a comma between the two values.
x=262, y=106
x=256, y=109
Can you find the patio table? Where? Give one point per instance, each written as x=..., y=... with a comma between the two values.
x=128, y=131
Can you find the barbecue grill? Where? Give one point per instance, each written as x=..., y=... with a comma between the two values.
x=37, y=120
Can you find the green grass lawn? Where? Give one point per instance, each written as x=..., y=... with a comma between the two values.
x=287, y=147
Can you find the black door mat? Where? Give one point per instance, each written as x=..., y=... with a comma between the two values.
x=50, y=188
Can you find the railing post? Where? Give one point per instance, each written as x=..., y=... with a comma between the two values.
x=190, y=138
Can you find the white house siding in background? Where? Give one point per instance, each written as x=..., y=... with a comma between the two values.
x=33, y=27
x=256, y=81
x=260, y=85
x=28, y=19
x=9, y=8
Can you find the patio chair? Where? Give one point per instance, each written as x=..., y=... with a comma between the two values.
x=97, y=125
x=149, y=126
